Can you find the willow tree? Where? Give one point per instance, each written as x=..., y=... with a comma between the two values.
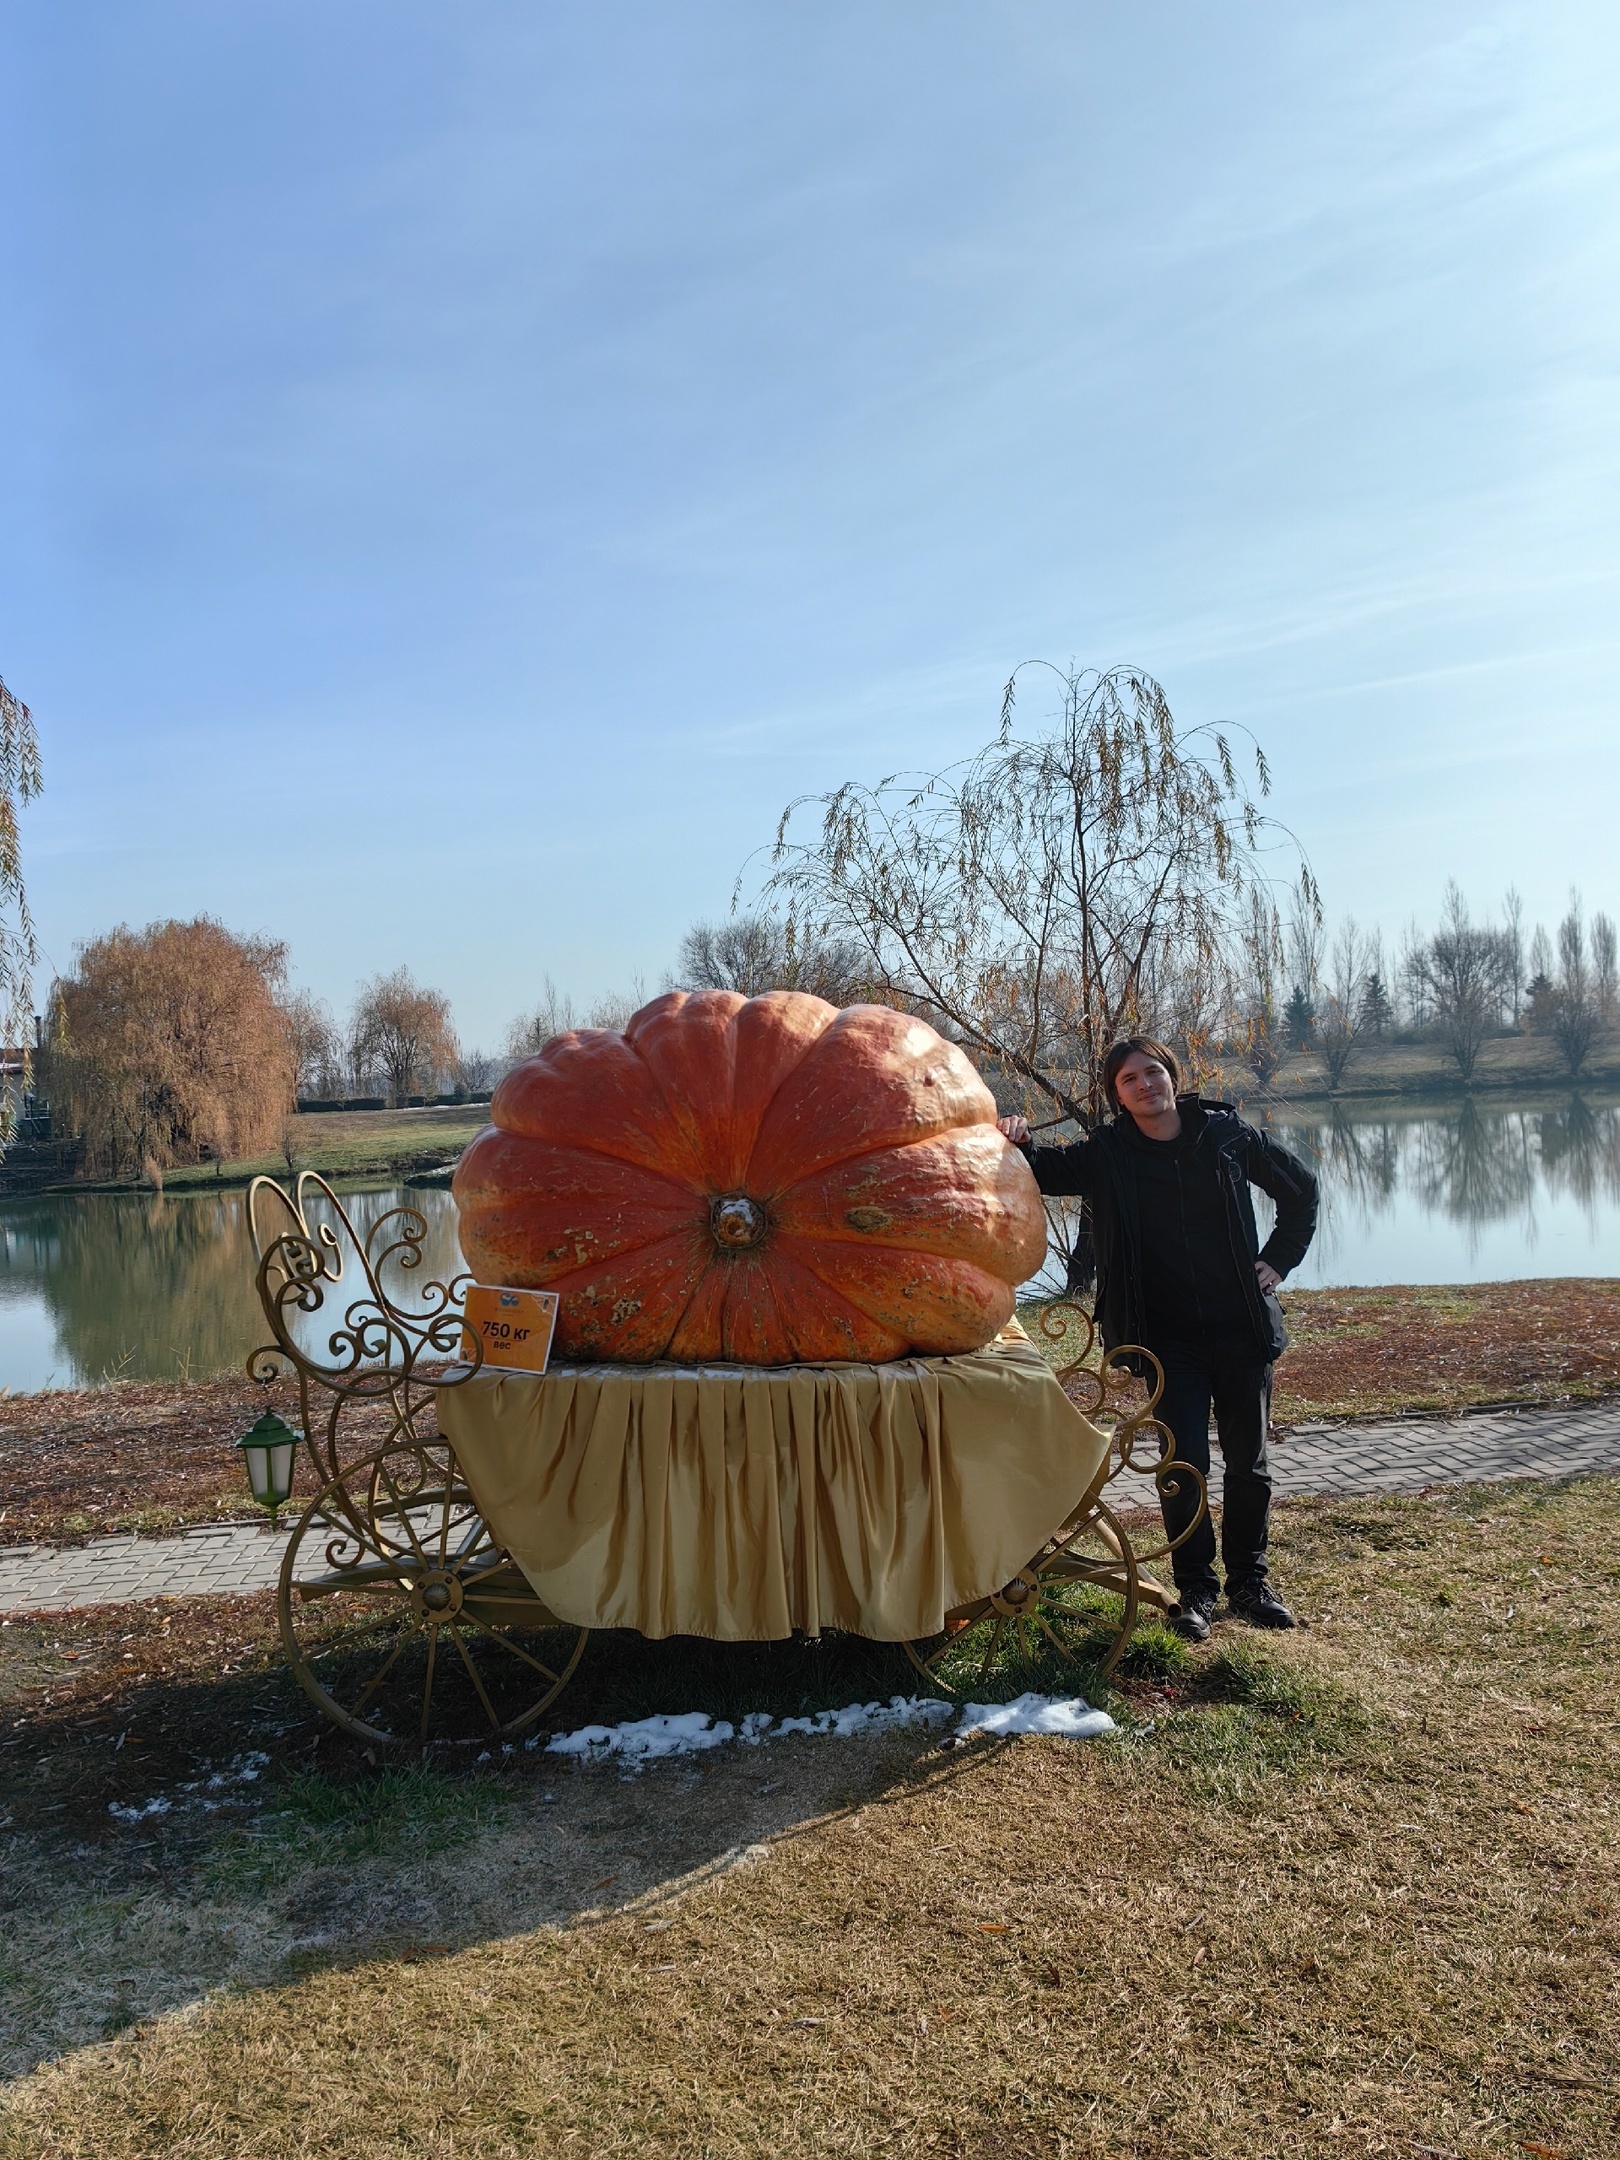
x=1052, y=893
x=20, y=782
x=168, y=1045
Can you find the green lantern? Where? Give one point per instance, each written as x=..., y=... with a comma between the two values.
x=268, y=1450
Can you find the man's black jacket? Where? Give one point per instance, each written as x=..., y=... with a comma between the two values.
x=1100, y=1170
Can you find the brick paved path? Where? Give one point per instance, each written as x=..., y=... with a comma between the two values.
x=229, y=1558
x=1394, y=1455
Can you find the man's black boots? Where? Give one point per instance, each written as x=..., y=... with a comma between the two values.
x=1259, y=1604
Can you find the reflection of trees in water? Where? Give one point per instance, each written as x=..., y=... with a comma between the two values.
x=1359, y=1162
x=1473, y=1166
x=1476, y=1169
x=144, y=1288
x=141, y=1288
x=1580, y=1152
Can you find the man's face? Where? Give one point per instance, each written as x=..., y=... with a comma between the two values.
x=1143, y=1086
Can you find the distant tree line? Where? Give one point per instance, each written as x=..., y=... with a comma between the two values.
x=1459, y=985
x=399, y=1041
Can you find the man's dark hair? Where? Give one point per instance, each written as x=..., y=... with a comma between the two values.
x=1130, y=1046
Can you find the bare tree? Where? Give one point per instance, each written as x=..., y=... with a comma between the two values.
x=1413, y=975
x=531, y=1031
x=169, y=1045
x=1573, y=1012
x=1343, y=1011
x=313, y=1041
x=1305, y=936
x=555, y=1015
x=1462, y=968
x=1052, y=892
x=1513, y=951
x=1260, y=1018
x=1605, y=986
x=477, y=1072
x=759, y=952
x=1572, y=970
x=402, y=1034
x=616, y=1008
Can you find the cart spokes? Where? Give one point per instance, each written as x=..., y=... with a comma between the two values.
x=402, y=1619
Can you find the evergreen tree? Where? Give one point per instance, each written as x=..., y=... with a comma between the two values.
x=1376, y=1010
x=1298, y=1016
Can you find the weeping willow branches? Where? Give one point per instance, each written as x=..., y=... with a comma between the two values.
x=20, y=781
x=1053, y=892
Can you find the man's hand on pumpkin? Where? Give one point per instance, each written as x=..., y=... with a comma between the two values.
x=1015, y=1128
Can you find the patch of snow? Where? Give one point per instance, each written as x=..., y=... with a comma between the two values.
x=900, y=1714
x=692, y=1732
x=642, y=1739
x=240, y=1770
x=125, y=1813
x=1067, y=1716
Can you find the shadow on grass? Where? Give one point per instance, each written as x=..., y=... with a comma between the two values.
x=182, y=1813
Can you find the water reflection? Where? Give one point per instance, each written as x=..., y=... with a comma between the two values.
x=1580, y=1153
x=1478, y=1179
x=141, y=1287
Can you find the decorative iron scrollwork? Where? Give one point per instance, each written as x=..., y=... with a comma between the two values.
x=378, y=1358
x=391, y=1584
x=1119, y=1393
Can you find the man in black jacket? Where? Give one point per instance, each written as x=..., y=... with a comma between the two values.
x=1180, y=1271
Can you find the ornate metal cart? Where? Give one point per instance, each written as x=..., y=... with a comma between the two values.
x=401, y=1616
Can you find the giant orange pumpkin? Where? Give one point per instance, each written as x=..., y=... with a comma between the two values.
x=767, y=1180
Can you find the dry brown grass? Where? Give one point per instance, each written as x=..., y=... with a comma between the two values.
x=135, y=1455
x=1345, y=1893
x=1360, y=1353
x=1415, y=1349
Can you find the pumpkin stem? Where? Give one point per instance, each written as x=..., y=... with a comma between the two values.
x=736, y=1222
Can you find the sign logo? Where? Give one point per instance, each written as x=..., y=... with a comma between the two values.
x=514, y=1327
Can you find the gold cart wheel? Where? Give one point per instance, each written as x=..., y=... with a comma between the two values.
x=402, y=1619
x=1079, y=1596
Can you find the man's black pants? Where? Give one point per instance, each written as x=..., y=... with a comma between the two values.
x=1225, y=1377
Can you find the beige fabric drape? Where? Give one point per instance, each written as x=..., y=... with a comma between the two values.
x=742, y=1502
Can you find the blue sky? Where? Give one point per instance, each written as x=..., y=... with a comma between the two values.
x=467, y=468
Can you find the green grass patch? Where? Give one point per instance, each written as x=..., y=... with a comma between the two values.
x=396, y=1815
x=1255, y=1717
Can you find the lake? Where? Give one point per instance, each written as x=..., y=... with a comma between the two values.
x=141, y=1287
